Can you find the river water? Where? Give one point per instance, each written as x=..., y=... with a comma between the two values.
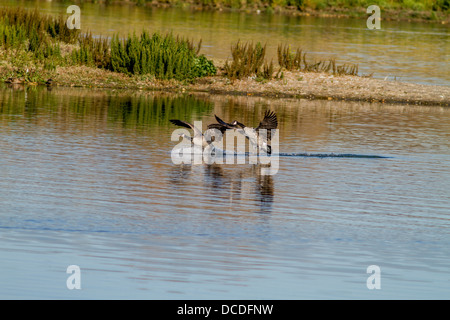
x=405, y=51
x=87, y=179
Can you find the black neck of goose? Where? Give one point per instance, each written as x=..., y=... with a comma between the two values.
x=240, y=125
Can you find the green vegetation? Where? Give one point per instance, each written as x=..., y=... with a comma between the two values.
x=416, y=5
x=33, y=45
x=248, y=60
x=166, y=57
x=294, y=61
x=43, y=26
x=33, y=33
x=303, y=5
x=33, y=48
x=92, y=51
x=31, y=41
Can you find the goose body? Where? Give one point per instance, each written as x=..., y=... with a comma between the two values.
x=204, y=140
x=257, y=140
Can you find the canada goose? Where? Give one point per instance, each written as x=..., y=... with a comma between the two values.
x=268, y=123
x=203, y=139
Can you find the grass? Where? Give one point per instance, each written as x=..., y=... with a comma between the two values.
x=33, y=46
x=31, y=40
x=248, y=60
x=92, y=51
x=296, y=61
x=165, y=57
x=41, y=25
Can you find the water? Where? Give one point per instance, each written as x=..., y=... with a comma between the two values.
x=86, y=179
x=406, y=51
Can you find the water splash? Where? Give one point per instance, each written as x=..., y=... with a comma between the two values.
x=332, y=155
x=217, y=152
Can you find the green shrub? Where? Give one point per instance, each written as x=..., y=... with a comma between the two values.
x=165, y=57
x=203, y=67
x=92, y=51
x=443, y=5
x=11, y=36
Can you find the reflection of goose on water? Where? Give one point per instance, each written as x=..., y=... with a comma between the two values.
x=203, y=139
x=268, y=123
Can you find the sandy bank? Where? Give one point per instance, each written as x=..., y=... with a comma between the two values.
x=326, y=86
x=292, y=85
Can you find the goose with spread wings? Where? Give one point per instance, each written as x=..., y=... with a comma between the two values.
x=257, y=140
x=203, y=139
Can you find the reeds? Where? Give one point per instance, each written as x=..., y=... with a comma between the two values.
x=289, y=60
x=165, y=57
x=248, y=60
x=92, y=51
x=16, y=37
x=22, y=29
x=11, y=36
x=42, y=24
x=297, y=61
x=31, y=33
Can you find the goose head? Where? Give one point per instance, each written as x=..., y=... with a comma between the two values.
x=236, y=123
x=184, y=136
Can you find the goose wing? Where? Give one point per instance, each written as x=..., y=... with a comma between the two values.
x=223, y=123
x=186, y=125
x=269, y=122
x=182, y=124
x=219, y=127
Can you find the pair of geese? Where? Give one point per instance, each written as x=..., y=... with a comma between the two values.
x=257, y=140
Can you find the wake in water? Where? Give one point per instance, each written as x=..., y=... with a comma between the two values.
x=220, y=152
x=332, y=155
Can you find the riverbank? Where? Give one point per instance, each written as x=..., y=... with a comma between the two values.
x=39, y=49
x=388, y=14
x=295, y=84
x=398, y=10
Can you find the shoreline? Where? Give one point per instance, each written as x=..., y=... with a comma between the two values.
x=388, y=14
x=340, y=13
x=139, y=63
x=296, y=84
